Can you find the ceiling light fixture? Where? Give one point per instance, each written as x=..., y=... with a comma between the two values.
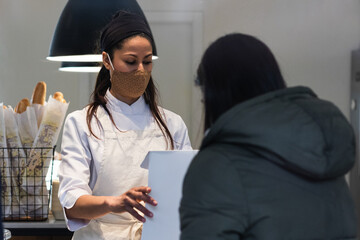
x=79, y=27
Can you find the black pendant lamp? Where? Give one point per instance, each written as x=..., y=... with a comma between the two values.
x=78, y=31
x=90, y=67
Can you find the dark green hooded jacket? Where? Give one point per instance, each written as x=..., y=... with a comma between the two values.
x=272, y=168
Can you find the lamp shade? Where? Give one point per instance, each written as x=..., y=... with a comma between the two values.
x=93, y=67
x=78, y=30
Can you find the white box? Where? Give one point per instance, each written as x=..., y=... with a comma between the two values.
x=166, y=174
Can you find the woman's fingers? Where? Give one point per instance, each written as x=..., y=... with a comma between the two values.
x=132, y=211
x=141, y=194
x=142, y=197
x=142, y=189
x=143, y=209
x=131, y=203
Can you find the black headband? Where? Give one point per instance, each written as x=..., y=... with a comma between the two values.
x=122, y=26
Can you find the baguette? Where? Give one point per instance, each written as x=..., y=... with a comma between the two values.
x=22, y=105
x=39, y=93
x=59, y=96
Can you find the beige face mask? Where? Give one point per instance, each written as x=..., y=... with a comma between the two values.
x=129, y=84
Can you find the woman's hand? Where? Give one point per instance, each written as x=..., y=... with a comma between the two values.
x=130, y=201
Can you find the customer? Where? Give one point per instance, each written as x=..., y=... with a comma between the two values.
x=102, y=186
x=273, y=159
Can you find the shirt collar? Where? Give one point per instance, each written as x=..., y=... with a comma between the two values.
x=118, y=106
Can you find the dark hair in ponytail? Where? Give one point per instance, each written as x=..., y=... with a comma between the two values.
x=103, y=84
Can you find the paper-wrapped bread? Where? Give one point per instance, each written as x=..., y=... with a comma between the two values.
x=27, y=123
x=59, y=96
x=46, y=138
x=22, y=105
x=39, y=94
x=38, y=101
x=5, y=167
x=18, y=161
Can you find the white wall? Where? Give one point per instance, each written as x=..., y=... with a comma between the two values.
x=312, y=40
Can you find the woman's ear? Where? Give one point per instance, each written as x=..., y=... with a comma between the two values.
x=106, y=60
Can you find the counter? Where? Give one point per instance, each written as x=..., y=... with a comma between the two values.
x=50, y=227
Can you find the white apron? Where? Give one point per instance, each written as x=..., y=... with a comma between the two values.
x=120, y=171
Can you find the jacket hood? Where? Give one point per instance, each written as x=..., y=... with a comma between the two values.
x=292, y=128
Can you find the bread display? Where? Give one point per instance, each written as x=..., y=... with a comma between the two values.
x=29, y=134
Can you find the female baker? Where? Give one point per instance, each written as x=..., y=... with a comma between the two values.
x=102, y=186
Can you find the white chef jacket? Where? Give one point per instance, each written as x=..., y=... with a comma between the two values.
x=82, y=152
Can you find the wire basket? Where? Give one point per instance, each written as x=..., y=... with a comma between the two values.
x=25, y=191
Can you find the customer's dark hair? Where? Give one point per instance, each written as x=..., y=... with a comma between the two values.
x=103, y=84
x=233, y=69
